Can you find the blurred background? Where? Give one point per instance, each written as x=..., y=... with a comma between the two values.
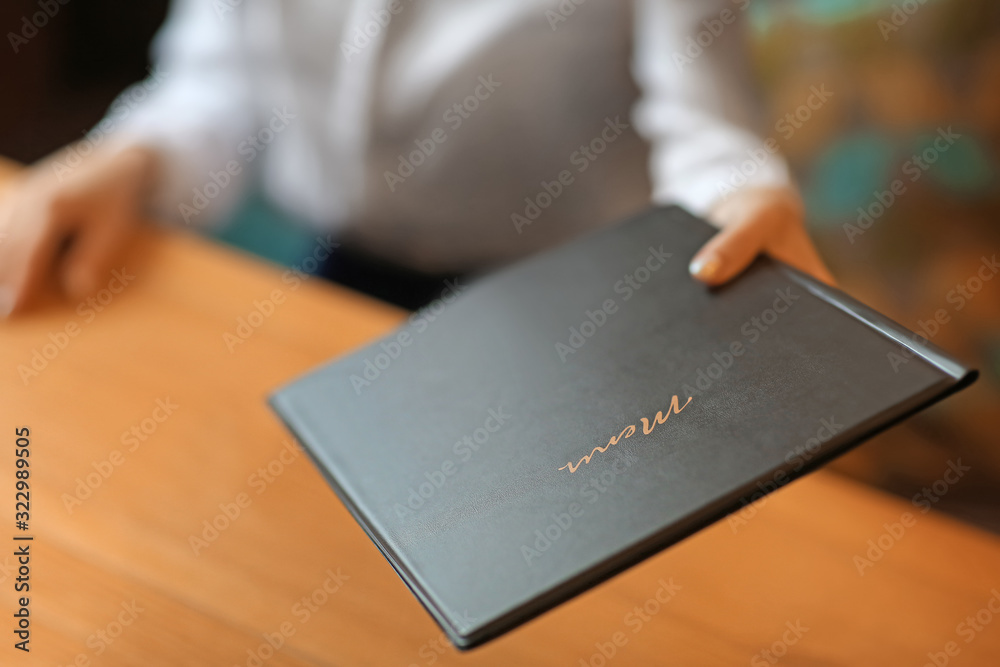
x=899, y=74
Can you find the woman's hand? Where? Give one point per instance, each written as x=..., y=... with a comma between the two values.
x=754, y=221
x=96, y=205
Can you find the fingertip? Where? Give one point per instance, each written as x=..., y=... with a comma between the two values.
x=705, y=268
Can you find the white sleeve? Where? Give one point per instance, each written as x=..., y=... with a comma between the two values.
x=696, y=107
x=196, y=108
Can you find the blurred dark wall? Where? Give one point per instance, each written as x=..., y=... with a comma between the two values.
x=59, y=81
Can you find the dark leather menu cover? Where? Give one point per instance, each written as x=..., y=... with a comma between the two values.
x=563, y=419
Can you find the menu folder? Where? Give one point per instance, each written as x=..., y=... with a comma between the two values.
x=530, y=435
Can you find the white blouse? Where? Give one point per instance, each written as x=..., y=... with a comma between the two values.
x=447, y=134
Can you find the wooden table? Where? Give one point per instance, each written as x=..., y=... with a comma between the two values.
x=116, y=580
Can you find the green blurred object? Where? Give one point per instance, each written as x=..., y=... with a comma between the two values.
x=846, y=175
x=964, y=168
x=822, y=12
x=259, y=228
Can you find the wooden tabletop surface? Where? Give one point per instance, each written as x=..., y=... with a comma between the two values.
x=148, y=425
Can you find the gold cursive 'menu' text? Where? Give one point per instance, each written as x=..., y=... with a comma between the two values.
x=627, y=432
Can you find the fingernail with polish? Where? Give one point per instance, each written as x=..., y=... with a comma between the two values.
x=704, y=268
